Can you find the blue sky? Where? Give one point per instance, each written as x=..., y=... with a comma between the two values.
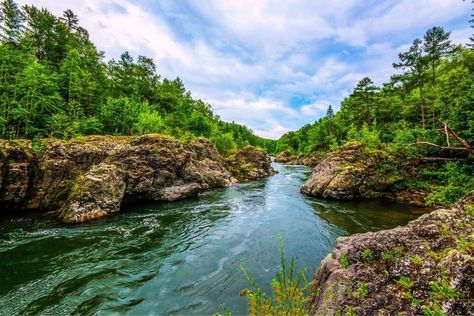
x=271, y=65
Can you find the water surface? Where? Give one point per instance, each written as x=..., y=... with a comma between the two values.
x=177, y=258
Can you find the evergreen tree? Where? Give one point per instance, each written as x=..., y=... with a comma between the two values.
x=416, y=63
x=436, y=44
x=330, y=112
x=11, y=22
x=70, y=19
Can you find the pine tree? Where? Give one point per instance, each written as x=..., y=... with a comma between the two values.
x=330, y=112
x=436, y=45
x=415, y=62
x=11, y=22
x=70, y=19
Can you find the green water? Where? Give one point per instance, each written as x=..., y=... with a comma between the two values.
x=176, y=258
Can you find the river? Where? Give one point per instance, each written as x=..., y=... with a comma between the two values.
x=177, y=258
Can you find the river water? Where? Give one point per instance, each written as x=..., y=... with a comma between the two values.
x=177, y=258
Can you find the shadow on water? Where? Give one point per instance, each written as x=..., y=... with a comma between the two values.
x=176, y=258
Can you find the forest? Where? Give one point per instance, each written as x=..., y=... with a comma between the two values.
x=54, y=82
x=425, y=111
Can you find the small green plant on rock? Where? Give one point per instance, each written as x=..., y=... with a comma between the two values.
x=344, y=261
x=367, y=255
x=405, y=282
x=362, y=291
x=416, y=260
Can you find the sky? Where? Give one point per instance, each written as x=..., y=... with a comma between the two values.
x=269, y=64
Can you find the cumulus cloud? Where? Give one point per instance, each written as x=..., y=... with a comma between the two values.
x=272, y=65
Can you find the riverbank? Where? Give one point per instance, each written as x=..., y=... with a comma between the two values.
x=91, y=177
x=425, y=267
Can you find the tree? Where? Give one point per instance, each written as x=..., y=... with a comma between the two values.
x=70, y=19
x=11, y=22
x=361, y=103
x=436, y=44
x=415, y=62
x=330, y=112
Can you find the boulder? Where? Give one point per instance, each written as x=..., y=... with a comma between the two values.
x=425, y=267
x=96, y=194
x=283, y=157
x=352, y=172
x=250, y=163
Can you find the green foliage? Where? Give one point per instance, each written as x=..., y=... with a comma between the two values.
x=405, y=282
x=224, y=143
x=289, y=291
x=344, y=261
x=362, y=291
x=367, y=255
x=416, y=260
x=55, y=83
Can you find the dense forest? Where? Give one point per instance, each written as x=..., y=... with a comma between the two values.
x=425, y=111
x=55, y=83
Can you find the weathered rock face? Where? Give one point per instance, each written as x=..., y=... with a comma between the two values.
x=283, y=157
x=425, y=267
x=250, y=163
x=286, y=157
x=91, y=177
x=17, y=163
x=352, y=172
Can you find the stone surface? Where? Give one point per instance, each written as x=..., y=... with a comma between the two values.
x=90, y=177
x=425, y=267
x=250, y=163
x=352, y=172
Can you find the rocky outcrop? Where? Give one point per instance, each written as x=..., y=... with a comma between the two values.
x=91, y=177
x=286, y=157
x=310, y=160
x=425, y=267
x=283, y=157
x=250, y=163
x=352, y=172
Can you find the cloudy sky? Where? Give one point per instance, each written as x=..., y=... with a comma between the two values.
x=271, y=65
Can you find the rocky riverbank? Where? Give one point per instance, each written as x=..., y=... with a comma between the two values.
x=91, y=177
x=354, y=172
x=425, y=267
